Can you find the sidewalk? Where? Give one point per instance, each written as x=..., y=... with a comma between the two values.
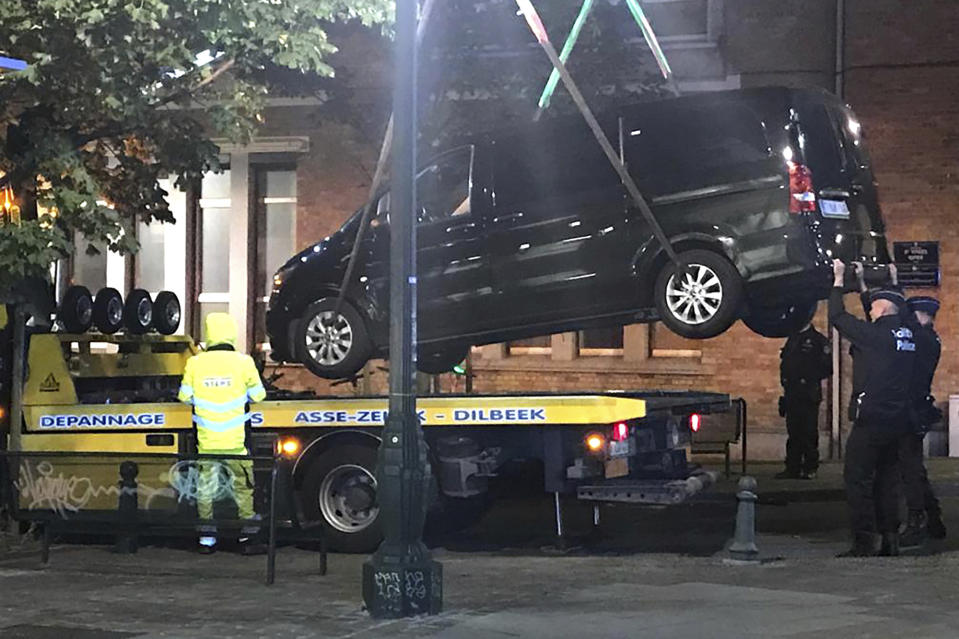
x=624, y=586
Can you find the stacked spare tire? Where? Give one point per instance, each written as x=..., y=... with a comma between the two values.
x=109, y=313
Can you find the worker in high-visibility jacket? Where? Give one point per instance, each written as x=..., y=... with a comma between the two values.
x=219, y=382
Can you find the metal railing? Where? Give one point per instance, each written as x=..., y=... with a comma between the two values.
x=107, y=493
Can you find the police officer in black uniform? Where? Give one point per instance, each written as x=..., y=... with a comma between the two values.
x=925, y=514
x=884, y=413
x=805, y=360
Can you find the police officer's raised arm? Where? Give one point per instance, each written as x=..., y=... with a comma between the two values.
x=849, y=326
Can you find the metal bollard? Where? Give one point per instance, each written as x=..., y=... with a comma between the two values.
x=126, y=542
x=744, y=541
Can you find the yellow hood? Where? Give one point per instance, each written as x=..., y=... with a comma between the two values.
x=220, y=329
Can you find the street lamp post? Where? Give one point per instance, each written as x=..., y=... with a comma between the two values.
x=401, y=579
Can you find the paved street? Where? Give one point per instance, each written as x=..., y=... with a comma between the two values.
x=654, y=573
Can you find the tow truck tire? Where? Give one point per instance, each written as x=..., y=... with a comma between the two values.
x=108, y=311
x=433, y=361
x=76, y=309
x=782, y=321
x=339, y=353
x=166, y=313
x=138, y=312
x=707, y=302
x=339, y=491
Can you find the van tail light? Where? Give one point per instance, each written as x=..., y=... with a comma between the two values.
x=695, y=421
x=802, y=195
x=620, y=431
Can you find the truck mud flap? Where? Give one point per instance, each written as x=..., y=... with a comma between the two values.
x=661, y=492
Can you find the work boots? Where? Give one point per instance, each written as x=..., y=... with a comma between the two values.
x=864, y=545
x=915, y=533
x=935, y=527
x=890, y=545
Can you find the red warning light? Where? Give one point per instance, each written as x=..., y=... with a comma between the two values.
x=695, y=421
x=620, y=431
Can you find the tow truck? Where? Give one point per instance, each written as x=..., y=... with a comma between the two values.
x=93, y=392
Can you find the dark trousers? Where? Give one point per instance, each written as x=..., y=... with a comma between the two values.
x=802, y=445
x=871, y=473
x=915, y=481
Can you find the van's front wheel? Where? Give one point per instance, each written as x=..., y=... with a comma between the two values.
x=331, y=344
x=704, y=300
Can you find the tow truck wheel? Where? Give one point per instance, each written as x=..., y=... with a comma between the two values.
x=705, y=300
x=438, y=361
x=781, y=321
x=76, y=309
x=108, y=310
x=138, y=312
x=166, y=313
x=332, y=345
x=340, y=491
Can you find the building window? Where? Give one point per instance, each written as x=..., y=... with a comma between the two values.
x=214, y=262
x=150, y=259
x=89, y=270
x=275, y=220
x=665, y=343
x=607, y=341
x=532, y=346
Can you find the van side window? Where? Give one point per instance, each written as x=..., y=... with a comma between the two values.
x=824, y=152
x=692, y=146
x=564, y=164
x=443, y=188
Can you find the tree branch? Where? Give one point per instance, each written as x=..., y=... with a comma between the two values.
x=228, y=64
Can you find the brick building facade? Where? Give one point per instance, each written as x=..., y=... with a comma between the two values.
x=897, y=65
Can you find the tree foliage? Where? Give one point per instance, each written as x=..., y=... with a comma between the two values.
x=120, y=92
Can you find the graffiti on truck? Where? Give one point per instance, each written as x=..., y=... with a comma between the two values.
x=210, y=479
x=42, y=487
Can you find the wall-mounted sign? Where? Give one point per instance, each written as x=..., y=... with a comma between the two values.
x=917, y=263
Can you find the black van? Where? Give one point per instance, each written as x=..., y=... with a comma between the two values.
x=530, y=232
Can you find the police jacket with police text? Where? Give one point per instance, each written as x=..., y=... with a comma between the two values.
x=886, y=354
x=805, y=360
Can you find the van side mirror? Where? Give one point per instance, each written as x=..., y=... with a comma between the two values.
x=382, y=211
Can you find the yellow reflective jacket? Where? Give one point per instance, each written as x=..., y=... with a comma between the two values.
x=219, y=383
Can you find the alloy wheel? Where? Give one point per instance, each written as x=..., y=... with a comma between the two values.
x=329, y=338
x=697, y=298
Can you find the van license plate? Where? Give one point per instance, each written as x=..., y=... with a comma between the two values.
x=619, y=449
x=834, y=208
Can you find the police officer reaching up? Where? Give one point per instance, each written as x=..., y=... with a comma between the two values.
x=806, y=359
x=884, y=413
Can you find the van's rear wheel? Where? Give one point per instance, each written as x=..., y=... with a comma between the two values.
x=434, y=361
x=780, y=321
x=340, y=492
x=703, y=301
